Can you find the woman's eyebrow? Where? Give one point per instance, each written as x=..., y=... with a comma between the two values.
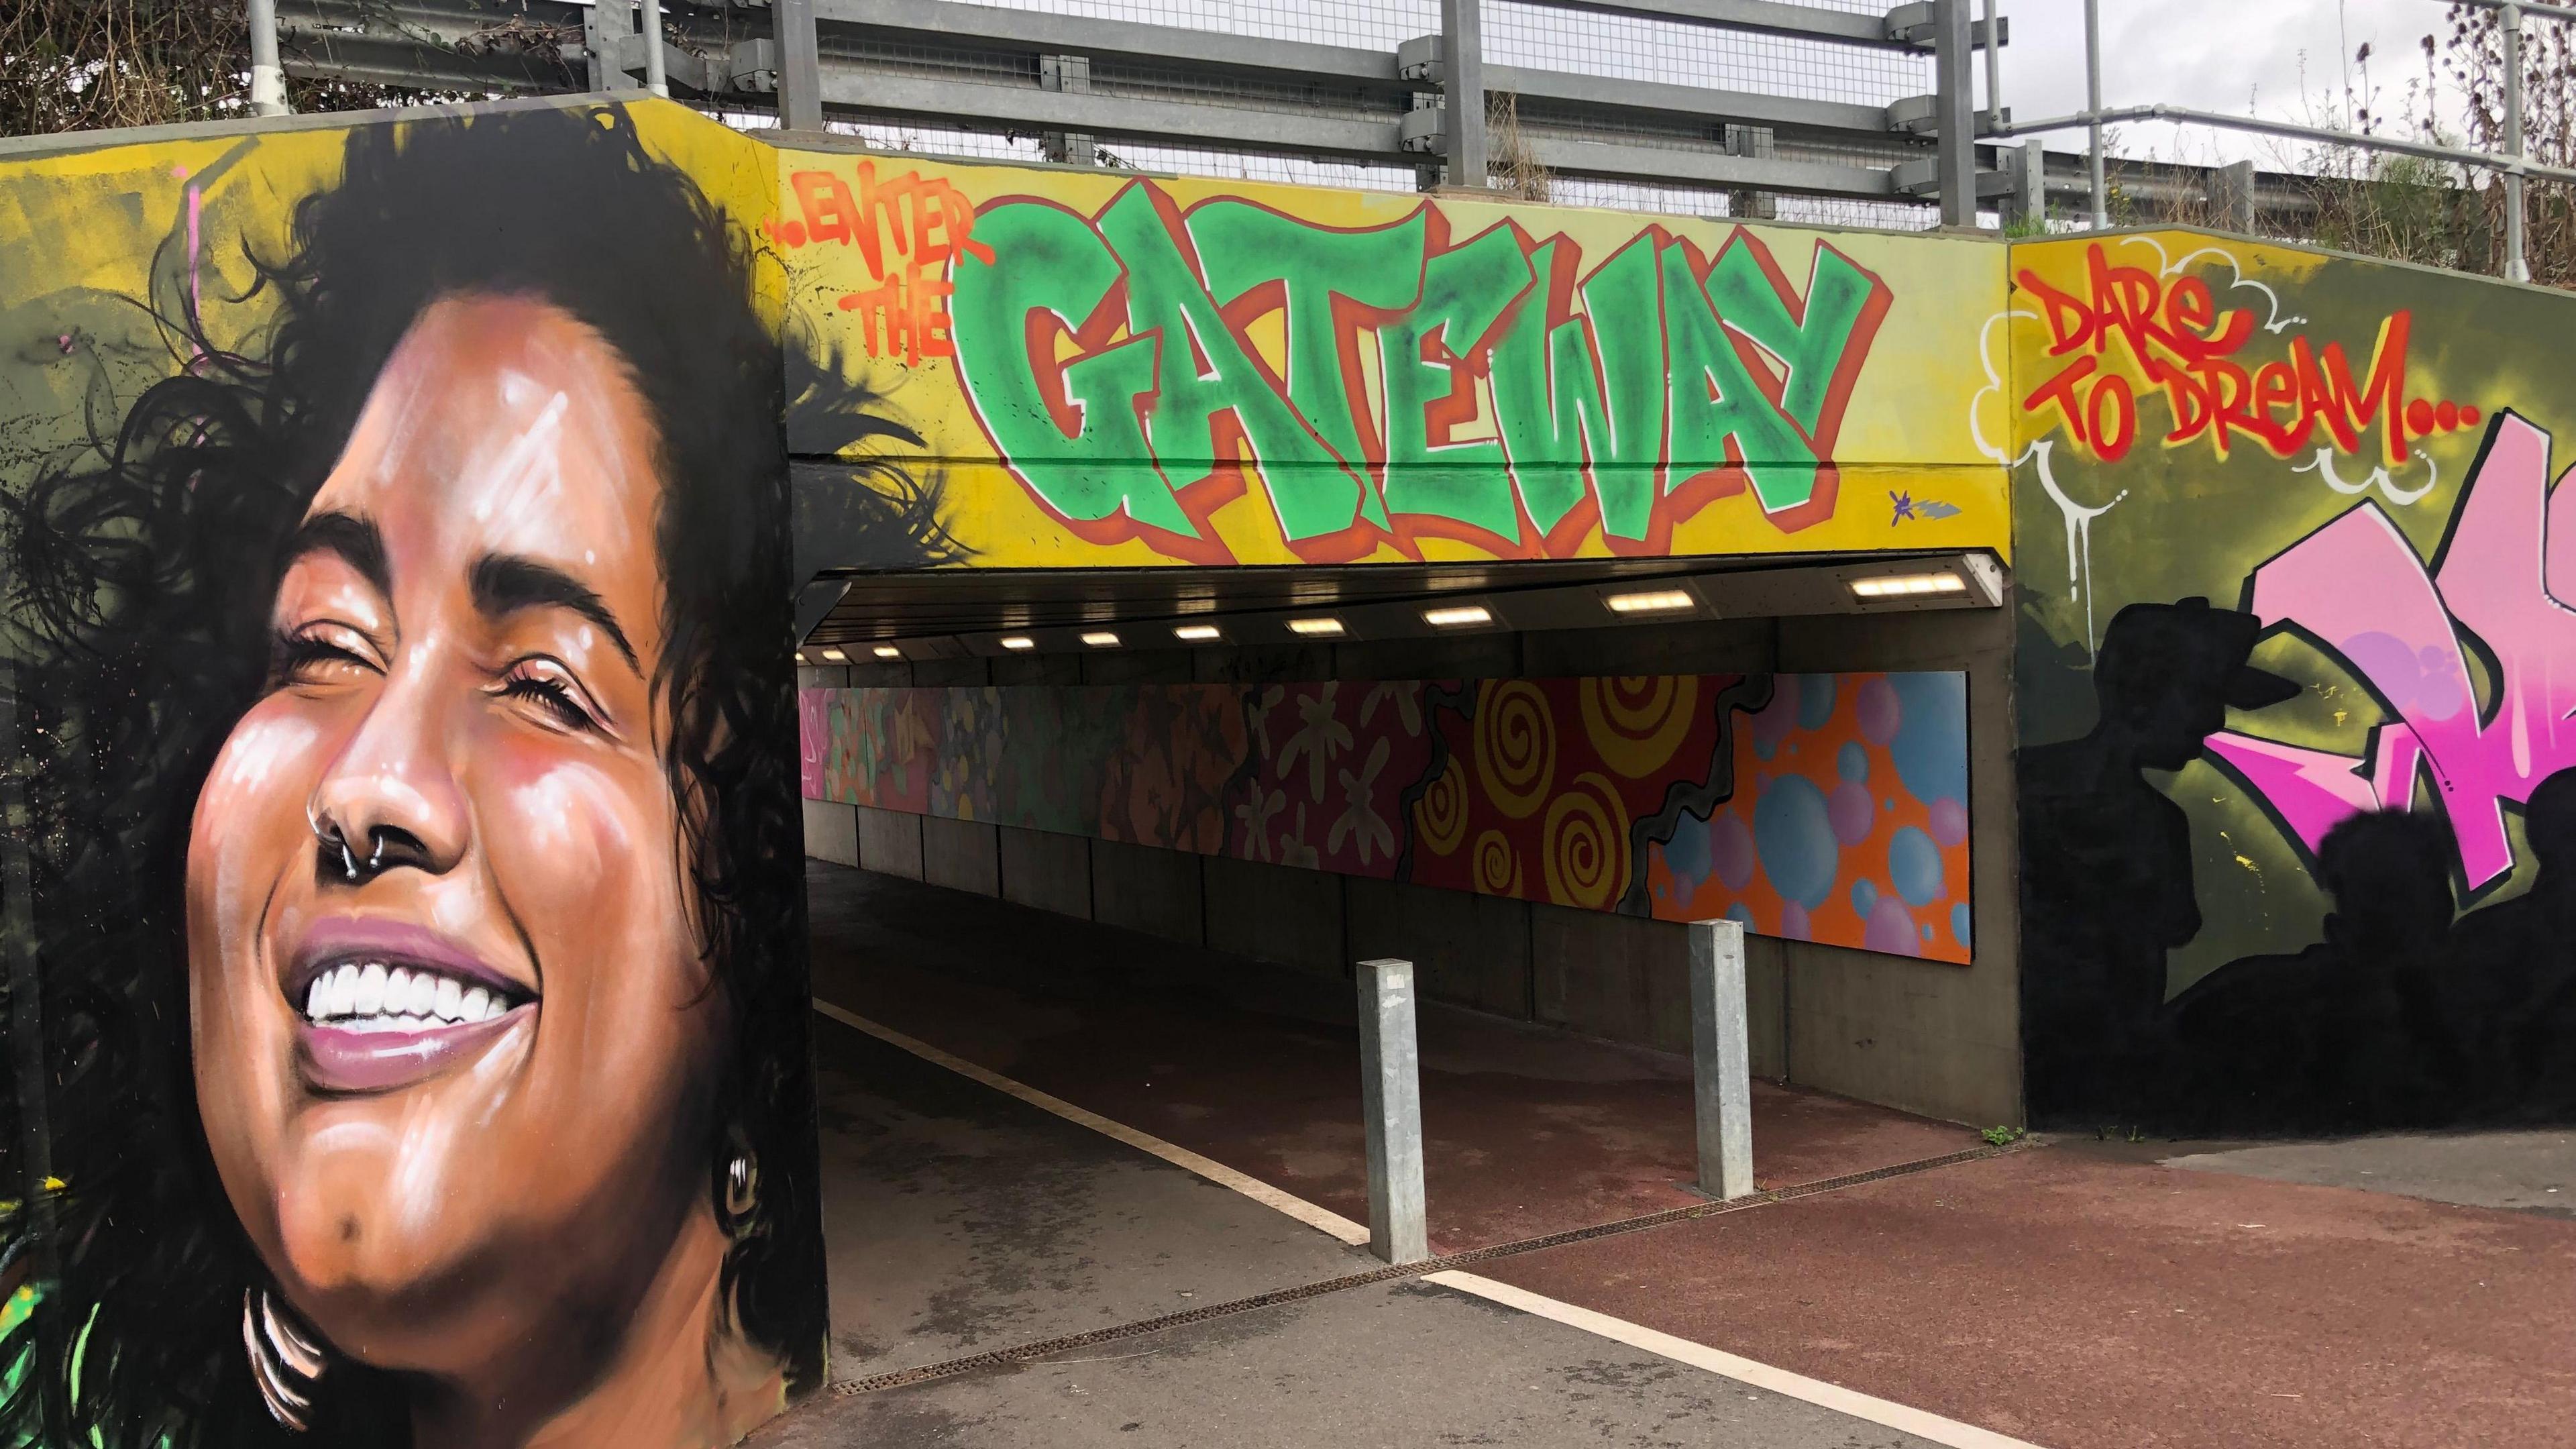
x=354, y=539
x=506, y=583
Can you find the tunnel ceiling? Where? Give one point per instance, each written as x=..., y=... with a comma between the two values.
x=966, y=603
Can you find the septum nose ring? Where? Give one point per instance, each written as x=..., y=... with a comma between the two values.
x=332, y=837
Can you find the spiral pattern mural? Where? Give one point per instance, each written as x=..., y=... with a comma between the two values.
x=1498, y=866
x=1819, y=807
x=1586, y=853
x=1441, y=814
x=1636, y=722
x=1515, y=745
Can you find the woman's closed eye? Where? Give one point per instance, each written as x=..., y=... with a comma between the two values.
x=549, y=689
x=320, y=653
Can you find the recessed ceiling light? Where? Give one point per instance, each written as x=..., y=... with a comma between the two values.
x=1458, y=617
x=800, y=656
x=836, y=656
x=1908, y=585
x=1324, y=627
x=1019, y=641
x=1101, y=639
x=1197, y=633
x=1650, y=601
x=886, y=651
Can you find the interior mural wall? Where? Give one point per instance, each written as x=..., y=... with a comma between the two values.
x=2298, y=837
x=406, y=984
x=1818, y=807
x=1107, y=370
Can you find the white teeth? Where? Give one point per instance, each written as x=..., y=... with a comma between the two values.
x=371, y=990
x=369, y=997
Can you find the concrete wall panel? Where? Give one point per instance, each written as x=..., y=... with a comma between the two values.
x=961, y=854
x=1277, y=913
x=1149, y=890
x=832, y=832
x=889, y=842
x=1046, y=870
x=1469, y=949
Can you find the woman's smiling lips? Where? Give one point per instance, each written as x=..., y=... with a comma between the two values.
x=385, y=1004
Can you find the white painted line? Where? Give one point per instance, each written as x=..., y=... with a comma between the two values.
x=1181, y=1157
x=1882, y=1412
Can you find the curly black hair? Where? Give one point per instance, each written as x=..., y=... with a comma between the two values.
x=139, y=576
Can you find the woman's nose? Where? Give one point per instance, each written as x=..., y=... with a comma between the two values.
x=390, y=799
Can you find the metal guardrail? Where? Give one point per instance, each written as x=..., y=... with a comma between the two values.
x=1072, y=81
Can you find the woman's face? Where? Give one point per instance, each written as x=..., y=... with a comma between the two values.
x=452, y=1076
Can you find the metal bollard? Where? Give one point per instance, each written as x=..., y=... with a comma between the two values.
x=1391, y=1103
x=1721, y=1059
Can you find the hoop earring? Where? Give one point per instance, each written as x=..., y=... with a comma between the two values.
x=283, y=1362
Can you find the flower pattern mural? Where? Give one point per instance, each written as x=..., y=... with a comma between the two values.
x=1818, y=807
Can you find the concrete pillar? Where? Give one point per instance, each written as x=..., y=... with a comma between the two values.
x=1391, y=1104
x=1721, y=1059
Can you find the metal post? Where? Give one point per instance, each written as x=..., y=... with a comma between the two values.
x=1391, y=1104
x=800, y=66
x=1721, y=1059
x=267, y=77
x=2093, y=103
x=1071, y=75
x=1955, y=109
x=1748, y=205
x=2516, y=267
x=2026, y=204
x=1994, y=69
x=607, y=29
x=1462, y=87
x=656, y=79
x=2231, y=196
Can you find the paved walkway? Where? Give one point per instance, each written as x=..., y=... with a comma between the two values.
x=2071, y=1296
x=961, y=1220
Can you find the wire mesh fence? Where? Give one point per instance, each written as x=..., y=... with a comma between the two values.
x=1533, y=36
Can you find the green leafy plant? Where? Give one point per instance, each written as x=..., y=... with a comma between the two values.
x=2001, y=1136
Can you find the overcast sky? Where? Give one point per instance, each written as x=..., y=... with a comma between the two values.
x=2220, y=55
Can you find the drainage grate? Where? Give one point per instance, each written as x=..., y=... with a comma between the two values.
x=1048, y=1348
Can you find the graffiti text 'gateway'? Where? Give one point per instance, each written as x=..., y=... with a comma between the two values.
x=1495, y=389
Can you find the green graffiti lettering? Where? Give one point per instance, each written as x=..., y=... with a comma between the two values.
x=1465, y=293
x=1715, y=401
x=1242, y=246
x=1046, y=259
x=1625, y=386
x=1206, y=377
x=1812, y=347
x=1625, y=300
x=1547, y=400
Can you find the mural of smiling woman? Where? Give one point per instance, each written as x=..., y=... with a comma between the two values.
x=418, y=890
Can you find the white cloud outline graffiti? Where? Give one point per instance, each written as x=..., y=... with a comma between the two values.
x=2235, y=269
x=2323, y=466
